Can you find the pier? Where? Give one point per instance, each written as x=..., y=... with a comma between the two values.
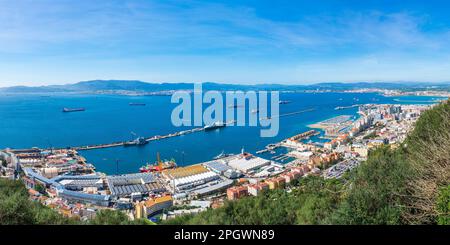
x=347, y=107
x=148, y=139
x=289, y=114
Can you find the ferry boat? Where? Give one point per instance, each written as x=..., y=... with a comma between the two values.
x=137, y=142
x=72, y=109
x=213, y=126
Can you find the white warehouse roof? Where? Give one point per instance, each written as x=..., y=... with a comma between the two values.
x=206, y=176
x=245, y=165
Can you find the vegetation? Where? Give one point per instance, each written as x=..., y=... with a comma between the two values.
x=17, y=209
x=443, y=206
x=115, y=217
x=407, y=185
x=310, y=203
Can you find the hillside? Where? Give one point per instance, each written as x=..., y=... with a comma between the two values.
x=408, y=185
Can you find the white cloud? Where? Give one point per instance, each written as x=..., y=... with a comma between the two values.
x=205, y=41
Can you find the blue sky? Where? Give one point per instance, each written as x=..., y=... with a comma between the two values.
x=249, y=41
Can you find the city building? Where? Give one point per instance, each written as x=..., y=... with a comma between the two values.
x=236, y=192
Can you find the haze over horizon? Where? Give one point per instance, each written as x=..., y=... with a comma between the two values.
x=60, y=42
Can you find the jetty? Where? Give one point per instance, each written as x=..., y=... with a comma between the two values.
x=347, y=107
x=288, y=114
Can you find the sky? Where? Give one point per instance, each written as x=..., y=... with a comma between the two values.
x=45, y=42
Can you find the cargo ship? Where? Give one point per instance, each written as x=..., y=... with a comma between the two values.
x=213, y=126
x=137, y=142
x=136, y=104
x=158, y=166
x=72, y=109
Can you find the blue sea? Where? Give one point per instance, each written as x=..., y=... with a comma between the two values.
x=37, y=121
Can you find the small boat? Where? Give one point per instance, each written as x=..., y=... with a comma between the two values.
x=72, y=109
x=136, y=104
x=283, y=102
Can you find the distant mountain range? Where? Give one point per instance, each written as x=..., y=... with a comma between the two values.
x=139, y=86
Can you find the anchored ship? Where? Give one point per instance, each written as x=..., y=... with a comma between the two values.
x=282, y=102
x=72, y=109
x=138, y=141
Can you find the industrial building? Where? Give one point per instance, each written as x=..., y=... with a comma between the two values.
x=217, y=167
x=246, y=162
x=158, y=204
x=100, y=200
x=187, y=178
x=213, y=188
x=184, y=171
x=126, y=185
x=80, y=182
x=194, y=180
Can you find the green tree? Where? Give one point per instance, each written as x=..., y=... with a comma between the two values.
x=443, y=206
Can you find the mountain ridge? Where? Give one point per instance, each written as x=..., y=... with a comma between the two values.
x=141, y=86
